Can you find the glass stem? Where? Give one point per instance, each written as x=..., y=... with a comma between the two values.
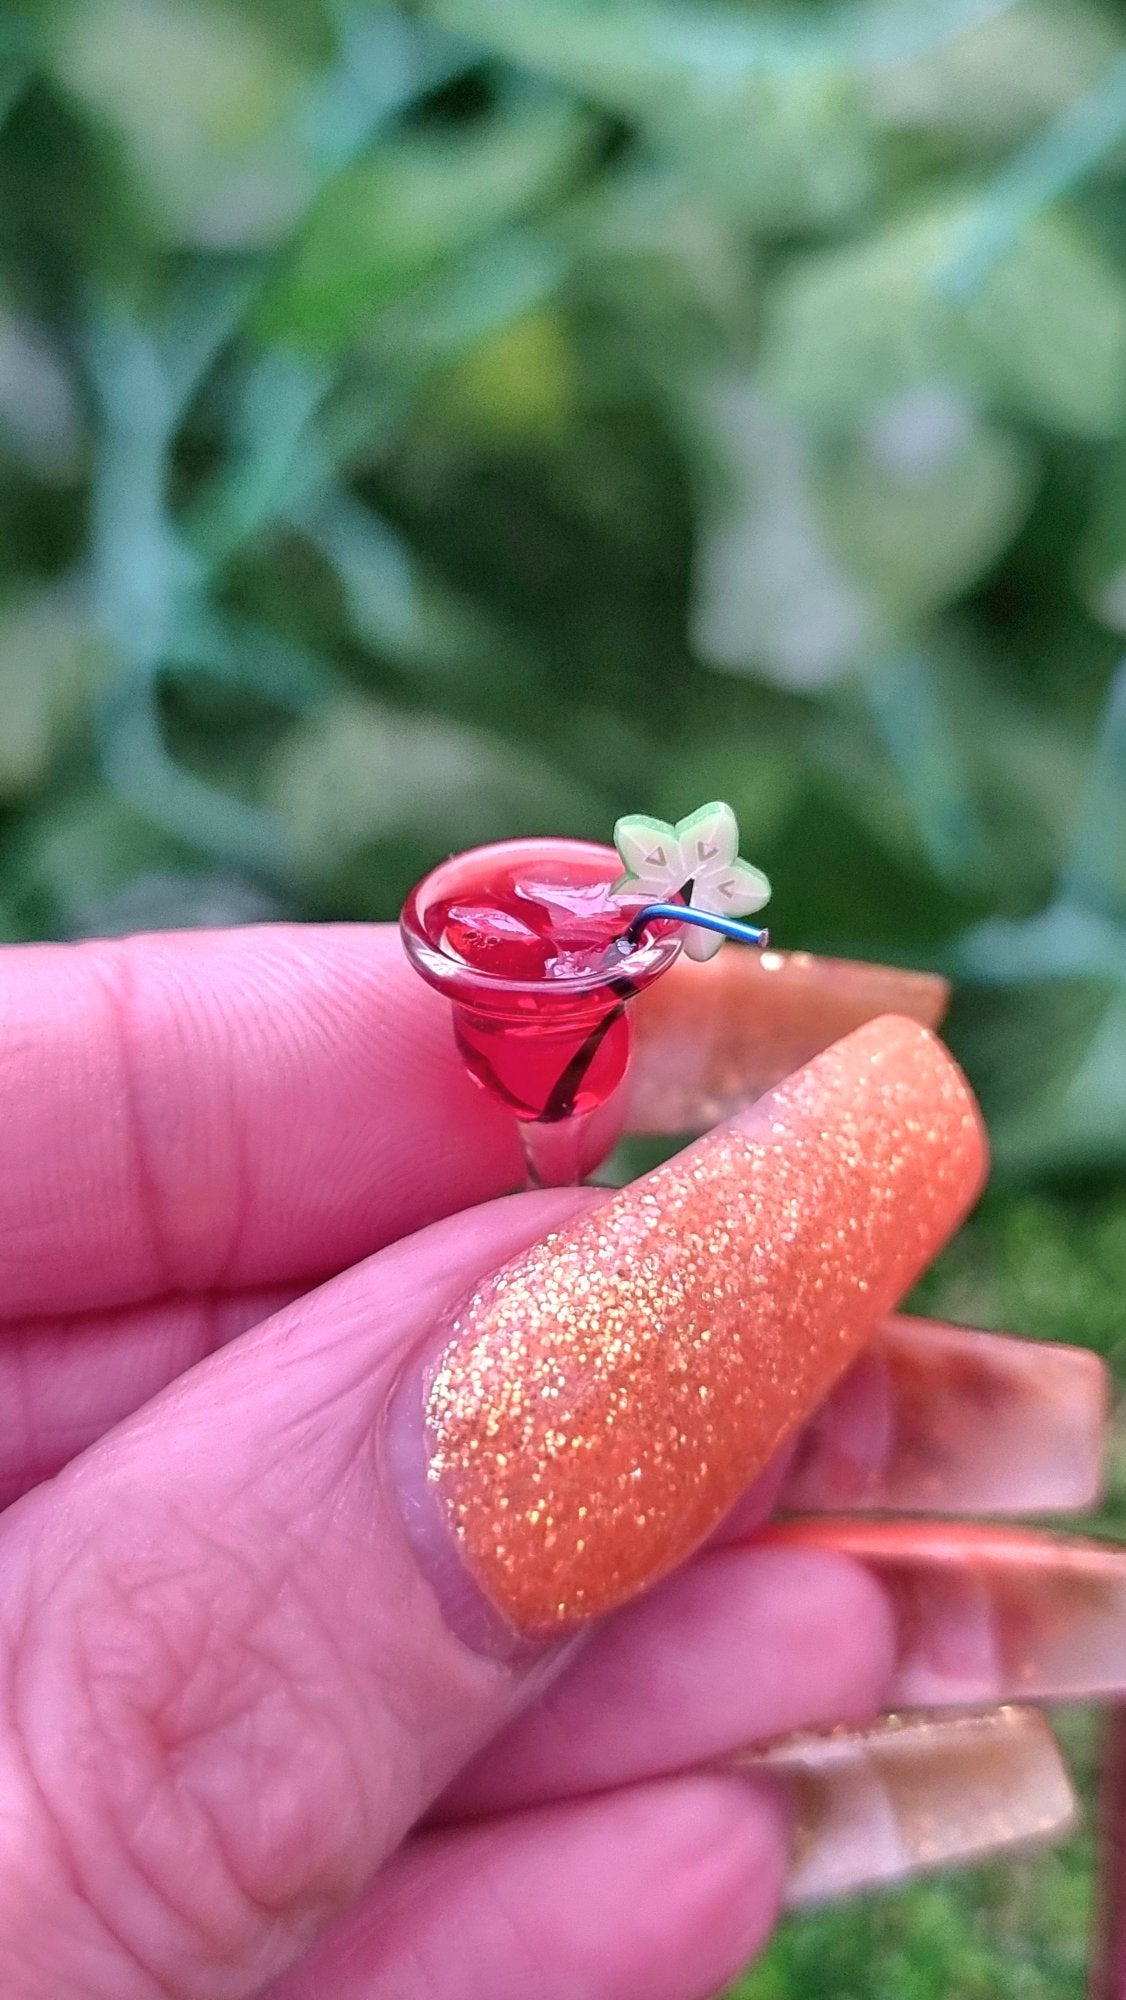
x=553, y=1150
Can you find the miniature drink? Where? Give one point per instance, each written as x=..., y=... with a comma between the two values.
x=530, y=944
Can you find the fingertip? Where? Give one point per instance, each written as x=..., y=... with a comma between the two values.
x=744, y=1645
x=819, y=1596
x=728, y=1853
x=665, y=1889
x=234, y=1108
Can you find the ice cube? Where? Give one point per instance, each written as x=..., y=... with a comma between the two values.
x=493, y=939
x=578, y=916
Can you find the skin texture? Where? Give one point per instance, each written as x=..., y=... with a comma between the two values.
x=232, y=1714
x=228, y=1694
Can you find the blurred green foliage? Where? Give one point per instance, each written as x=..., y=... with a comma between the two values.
x=423, y=424
x=426, y=424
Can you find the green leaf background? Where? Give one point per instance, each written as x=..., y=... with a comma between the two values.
x=420, y=425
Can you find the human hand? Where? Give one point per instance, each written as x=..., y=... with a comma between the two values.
x=236, y=1708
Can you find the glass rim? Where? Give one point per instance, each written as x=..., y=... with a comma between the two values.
x=443, y=970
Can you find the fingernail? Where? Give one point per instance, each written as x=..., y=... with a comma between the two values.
x=709, y=1039
x=600, y=1403
x=916, y=1793
x=939, y=1419
x=988, y=1614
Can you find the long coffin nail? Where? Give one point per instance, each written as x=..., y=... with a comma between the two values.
x=916, y=1793
x=988, y=1614
x=710, y=1038
x=598, y=1405
x=939, y=1419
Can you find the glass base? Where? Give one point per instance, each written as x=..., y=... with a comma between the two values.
x=553, y=1151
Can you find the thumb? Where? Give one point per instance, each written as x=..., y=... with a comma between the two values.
x=246, y=1639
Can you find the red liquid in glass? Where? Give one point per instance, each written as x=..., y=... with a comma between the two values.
x=550, y=1036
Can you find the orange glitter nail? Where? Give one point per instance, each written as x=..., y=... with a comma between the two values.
x=601, y=1402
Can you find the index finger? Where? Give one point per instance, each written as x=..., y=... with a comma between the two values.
x=214, y=1110
x=217, y=1110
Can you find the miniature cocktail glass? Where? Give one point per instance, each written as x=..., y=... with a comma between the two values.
x=537, y=956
